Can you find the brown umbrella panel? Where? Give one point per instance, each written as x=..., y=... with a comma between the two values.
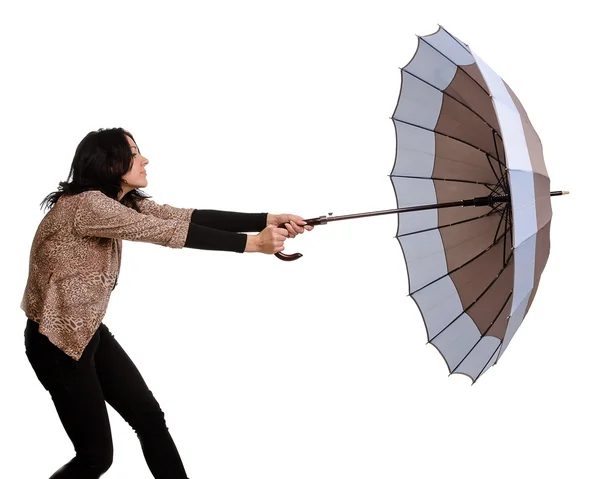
x=462, y=133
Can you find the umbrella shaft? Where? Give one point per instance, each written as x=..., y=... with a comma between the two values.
x=480, y=201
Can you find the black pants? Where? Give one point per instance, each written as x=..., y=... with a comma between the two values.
x=79, y=390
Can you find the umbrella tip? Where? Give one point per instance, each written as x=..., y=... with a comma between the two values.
x=565, y=192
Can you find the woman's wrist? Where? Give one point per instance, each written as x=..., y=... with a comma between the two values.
x=251, y=244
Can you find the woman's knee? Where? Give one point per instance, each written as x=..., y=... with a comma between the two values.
x=99, y=462
x=95, y=459
x=88, y=465
x=150, y=421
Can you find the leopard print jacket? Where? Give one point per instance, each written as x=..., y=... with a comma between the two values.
x=76, y=256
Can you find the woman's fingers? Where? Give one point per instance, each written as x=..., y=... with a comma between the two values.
x=290, y=229
x=282, y=232
x=295, y=229
x=279, y=235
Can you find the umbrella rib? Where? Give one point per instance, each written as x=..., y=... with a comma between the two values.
x=492, y=167
x=500, y=224
x=497, y=206
x=439, y=179
x=443, y=92
x=517, y=307
x=483, y=334
x=458, y=66
x=497, y=189
x=493, y=211
x=456, y=40
x=508, y=227
x=498, y=315
x=500, y=345
x=503, y=181
x=447, y=136
x=496, y=148
x=474, y=301
x=461, y=266
x=488, y=362
x=501, y=164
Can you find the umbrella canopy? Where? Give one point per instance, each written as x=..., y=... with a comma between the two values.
x=462, y=133
x=473, y=198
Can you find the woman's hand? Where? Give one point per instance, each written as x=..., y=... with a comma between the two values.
x=294, y=224
x=268, y=241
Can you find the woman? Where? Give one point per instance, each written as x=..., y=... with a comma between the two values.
x=74, y=264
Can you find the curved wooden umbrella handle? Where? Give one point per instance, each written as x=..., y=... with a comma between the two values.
x=288, y=257
x=321, y=220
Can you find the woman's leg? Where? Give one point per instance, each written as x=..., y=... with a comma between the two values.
x=79, y=401
x=125, y=390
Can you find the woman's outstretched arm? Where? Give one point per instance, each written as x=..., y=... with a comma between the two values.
x=217, y=219
x=98, y=215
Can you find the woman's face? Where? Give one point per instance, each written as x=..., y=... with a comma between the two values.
x=136, y=176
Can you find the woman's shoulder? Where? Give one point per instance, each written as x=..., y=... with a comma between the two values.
x=77, y=197
x=91, y=194
x=95, y=201
x=91, y=199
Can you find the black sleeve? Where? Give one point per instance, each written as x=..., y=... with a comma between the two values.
x=230, y=220
x=201, y=237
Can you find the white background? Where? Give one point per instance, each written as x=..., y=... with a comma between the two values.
x=317, y=368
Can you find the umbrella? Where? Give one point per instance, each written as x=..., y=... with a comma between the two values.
x=473, y=202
